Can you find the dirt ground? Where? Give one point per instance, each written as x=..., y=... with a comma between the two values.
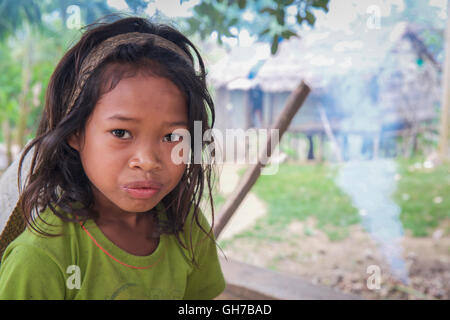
x=346, y=264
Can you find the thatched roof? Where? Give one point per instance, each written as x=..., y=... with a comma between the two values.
x=234, y=68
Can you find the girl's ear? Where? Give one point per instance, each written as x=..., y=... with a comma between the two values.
x=74, y=141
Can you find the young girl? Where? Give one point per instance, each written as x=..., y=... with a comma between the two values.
x=110, y=215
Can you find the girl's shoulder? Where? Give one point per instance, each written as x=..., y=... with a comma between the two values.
x=48, y=234
x=196, y=224
x=34, y=266
x=196, y=234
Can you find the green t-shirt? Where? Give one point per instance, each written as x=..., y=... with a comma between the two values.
x=73, y=266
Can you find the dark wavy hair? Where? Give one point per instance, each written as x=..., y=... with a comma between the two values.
x=56, y=174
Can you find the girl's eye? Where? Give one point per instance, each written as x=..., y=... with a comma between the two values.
x=173, y=137
x=118, y=133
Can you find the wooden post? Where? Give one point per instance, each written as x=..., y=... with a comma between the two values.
x=310, y=137
x=329, y=132
x=320, y=147
x=376, y=145
x=248, y=110
x=444, y=132
x=272, y=106
x=295, y=101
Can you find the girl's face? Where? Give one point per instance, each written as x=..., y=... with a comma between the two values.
x=115, y=152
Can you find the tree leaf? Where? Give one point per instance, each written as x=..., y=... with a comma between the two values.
x=321, y=4
x=310, y=18
x=280, y=17
x=288, y=33
x=268, y=10
x=265, y=32
x=233, y=22
x=274, y=46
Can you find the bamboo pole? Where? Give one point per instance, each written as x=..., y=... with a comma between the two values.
x=295, y=101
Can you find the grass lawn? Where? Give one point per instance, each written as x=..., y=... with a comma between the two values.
x=423, y=194
x=297, y=192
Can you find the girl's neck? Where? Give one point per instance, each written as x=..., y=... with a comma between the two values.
x=130, y=220
x=108, y=213
x=136, y=233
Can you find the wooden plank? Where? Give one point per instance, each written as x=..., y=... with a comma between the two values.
x=247, y=282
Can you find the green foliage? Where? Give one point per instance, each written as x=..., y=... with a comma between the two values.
x=14, y=13
x=10, y=82
x=269, y=20
x=30, y=41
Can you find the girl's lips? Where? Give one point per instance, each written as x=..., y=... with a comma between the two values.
x=143, y=184
x=141, y=193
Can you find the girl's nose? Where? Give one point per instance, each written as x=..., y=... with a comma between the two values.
x=147, y=159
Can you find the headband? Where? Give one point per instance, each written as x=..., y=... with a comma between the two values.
x=105, y=48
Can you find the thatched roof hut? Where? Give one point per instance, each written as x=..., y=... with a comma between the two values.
x=385, y=81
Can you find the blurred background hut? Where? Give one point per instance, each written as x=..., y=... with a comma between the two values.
x=367, y=100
